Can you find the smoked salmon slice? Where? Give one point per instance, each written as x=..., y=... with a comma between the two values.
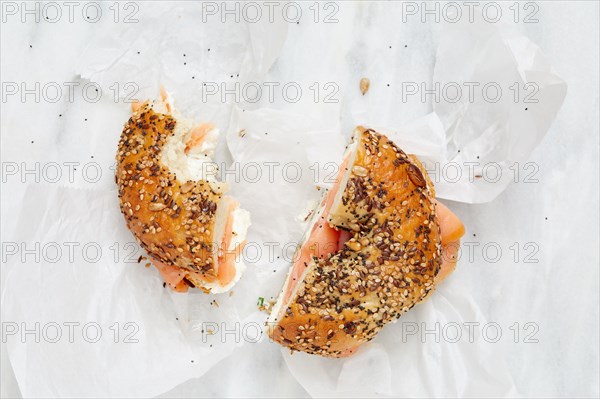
x=451, y=230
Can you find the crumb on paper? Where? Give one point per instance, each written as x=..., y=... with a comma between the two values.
x=242, y=133
x=364, y=85
x=264, y=306
x=308, y=211
x=308, y=215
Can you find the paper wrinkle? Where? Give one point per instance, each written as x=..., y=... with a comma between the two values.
x=487, y=133
x=109, y=292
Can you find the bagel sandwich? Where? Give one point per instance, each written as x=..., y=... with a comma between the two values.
x=172, y=202
x=378, y=244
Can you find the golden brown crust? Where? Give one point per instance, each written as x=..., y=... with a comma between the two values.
x=172, y=220
x=387, y=267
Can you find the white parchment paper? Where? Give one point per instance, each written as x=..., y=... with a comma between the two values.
x=173, y=343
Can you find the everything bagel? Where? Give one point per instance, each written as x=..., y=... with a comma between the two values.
x=177, y=211
x=375, y=250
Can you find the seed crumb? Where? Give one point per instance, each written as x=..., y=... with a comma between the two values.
x=365, y=83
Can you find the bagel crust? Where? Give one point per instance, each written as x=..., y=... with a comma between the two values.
x=388, y=265
x=172, y=220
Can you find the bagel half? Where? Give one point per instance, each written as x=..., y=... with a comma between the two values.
x=374, y=251
x=173, y=204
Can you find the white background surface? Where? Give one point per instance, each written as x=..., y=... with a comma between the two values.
x=559, y=213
